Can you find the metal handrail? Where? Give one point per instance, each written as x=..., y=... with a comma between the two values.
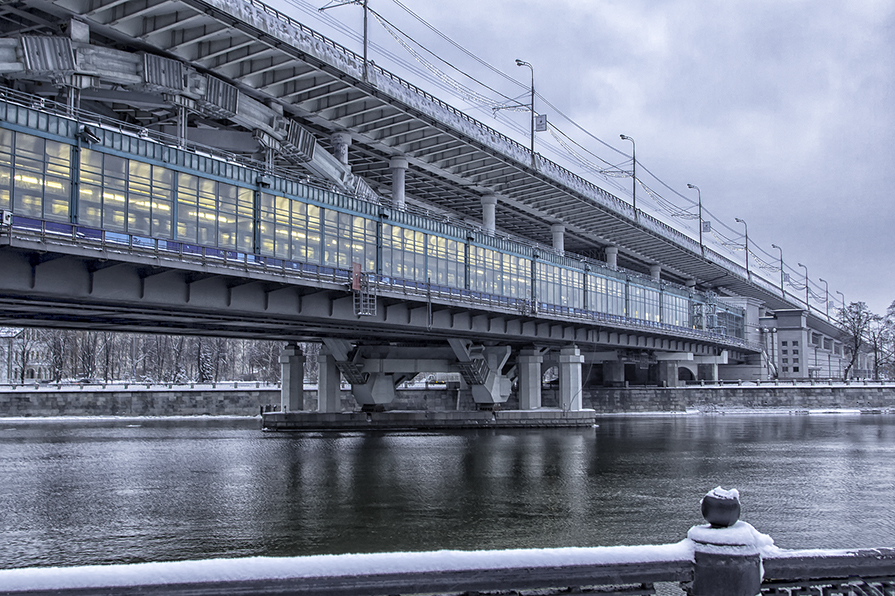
x=620, y=205
x=162, y=249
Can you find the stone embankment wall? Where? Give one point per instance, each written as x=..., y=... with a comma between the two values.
x=185, y=401
x=800, y=397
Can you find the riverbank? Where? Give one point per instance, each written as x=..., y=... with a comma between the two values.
x=251, y=399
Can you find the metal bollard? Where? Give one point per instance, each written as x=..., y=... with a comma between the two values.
x=727, y=551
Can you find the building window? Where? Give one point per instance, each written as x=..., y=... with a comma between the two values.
x=795, y=360
x=795, y=351
x=784, y=351
x=795, y=342
x=795, y=369
x=785, y=369
x=785, y=360
x=783, y=343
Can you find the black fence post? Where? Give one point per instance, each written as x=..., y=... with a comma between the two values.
x=727, y=557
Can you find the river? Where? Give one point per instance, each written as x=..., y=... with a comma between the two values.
x=99, y=491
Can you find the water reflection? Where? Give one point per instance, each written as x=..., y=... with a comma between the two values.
x=86, y=491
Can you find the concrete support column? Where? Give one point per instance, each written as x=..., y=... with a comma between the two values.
x=614, y=373
x=612, y=256
x=570, y=386
x=489, y=213
x=292, y=374
x=559, y=241
x=708, y=372
x=329, y=385
x=341, y=141
x=655, y=271
x=399, y=171
x=667, y=373
x=529, y=361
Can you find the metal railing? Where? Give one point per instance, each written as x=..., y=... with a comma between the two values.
x=545, y=166
x=727, y=558
x=61, y=234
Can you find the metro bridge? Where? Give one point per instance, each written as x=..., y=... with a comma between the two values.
x=215, y=167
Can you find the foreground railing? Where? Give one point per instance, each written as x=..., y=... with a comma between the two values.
x=725, y=557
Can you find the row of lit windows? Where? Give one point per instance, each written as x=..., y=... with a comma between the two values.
x=130, y=196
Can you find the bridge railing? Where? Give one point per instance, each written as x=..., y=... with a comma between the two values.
x=66, y=235
x=510, y=147
x=725, y=557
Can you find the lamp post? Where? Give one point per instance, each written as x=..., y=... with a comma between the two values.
x=524, y=63
x=827, y=293
x=748, y=273
x=807, y=304
x=782, y=291
x=633, y=172
x=699, y=195
x=843, y=298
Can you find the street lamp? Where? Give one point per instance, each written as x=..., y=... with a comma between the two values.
x=843, y=298
x=807, y=304
x=782, y=291
x=699, y=195
x=633, y=171
x=827, y=292
x=524, y=63
x=748, y=273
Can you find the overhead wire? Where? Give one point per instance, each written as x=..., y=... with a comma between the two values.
x=579, y=154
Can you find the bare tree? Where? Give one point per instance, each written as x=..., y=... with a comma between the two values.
x=856, y=319
x=878, y=333
x=25, y=352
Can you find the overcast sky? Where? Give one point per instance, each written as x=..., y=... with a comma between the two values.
x=781, y=111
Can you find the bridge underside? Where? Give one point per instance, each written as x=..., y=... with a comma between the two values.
x=491, y=351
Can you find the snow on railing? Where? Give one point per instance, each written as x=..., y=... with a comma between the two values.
x=724, y=557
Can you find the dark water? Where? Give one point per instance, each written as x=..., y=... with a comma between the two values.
x=108, y=491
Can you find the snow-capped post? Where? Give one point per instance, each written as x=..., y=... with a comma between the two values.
x=727, y=551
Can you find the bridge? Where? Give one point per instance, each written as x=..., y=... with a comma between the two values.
x=216, y=167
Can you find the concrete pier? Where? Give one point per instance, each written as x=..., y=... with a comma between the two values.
x=426, y=420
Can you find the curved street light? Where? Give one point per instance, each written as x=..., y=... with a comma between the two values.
x=699, y=195
x=633, y=172
x=807, y=304
x=782, y=291
x=827, y=293
x=532, y=68
x=843, y=298
x=748, y=273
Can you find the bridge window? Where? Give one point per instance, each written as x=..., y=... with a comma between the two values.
x=560, y=286
x=6, y=153
x=352, y=239
x=446, y=262
x=606, y=295
x=675, y=310
x=306, y=232
x=235, y=217
x=484, y=270
x=188, y=208
x=125, y=195
x=267, y=217
x=40, y=173
x=643, y=303
x=516, y=278
x=403, y=253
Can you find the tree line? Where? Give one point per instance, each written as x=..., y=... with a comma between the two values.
x=59, y=355
x=865, y=332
